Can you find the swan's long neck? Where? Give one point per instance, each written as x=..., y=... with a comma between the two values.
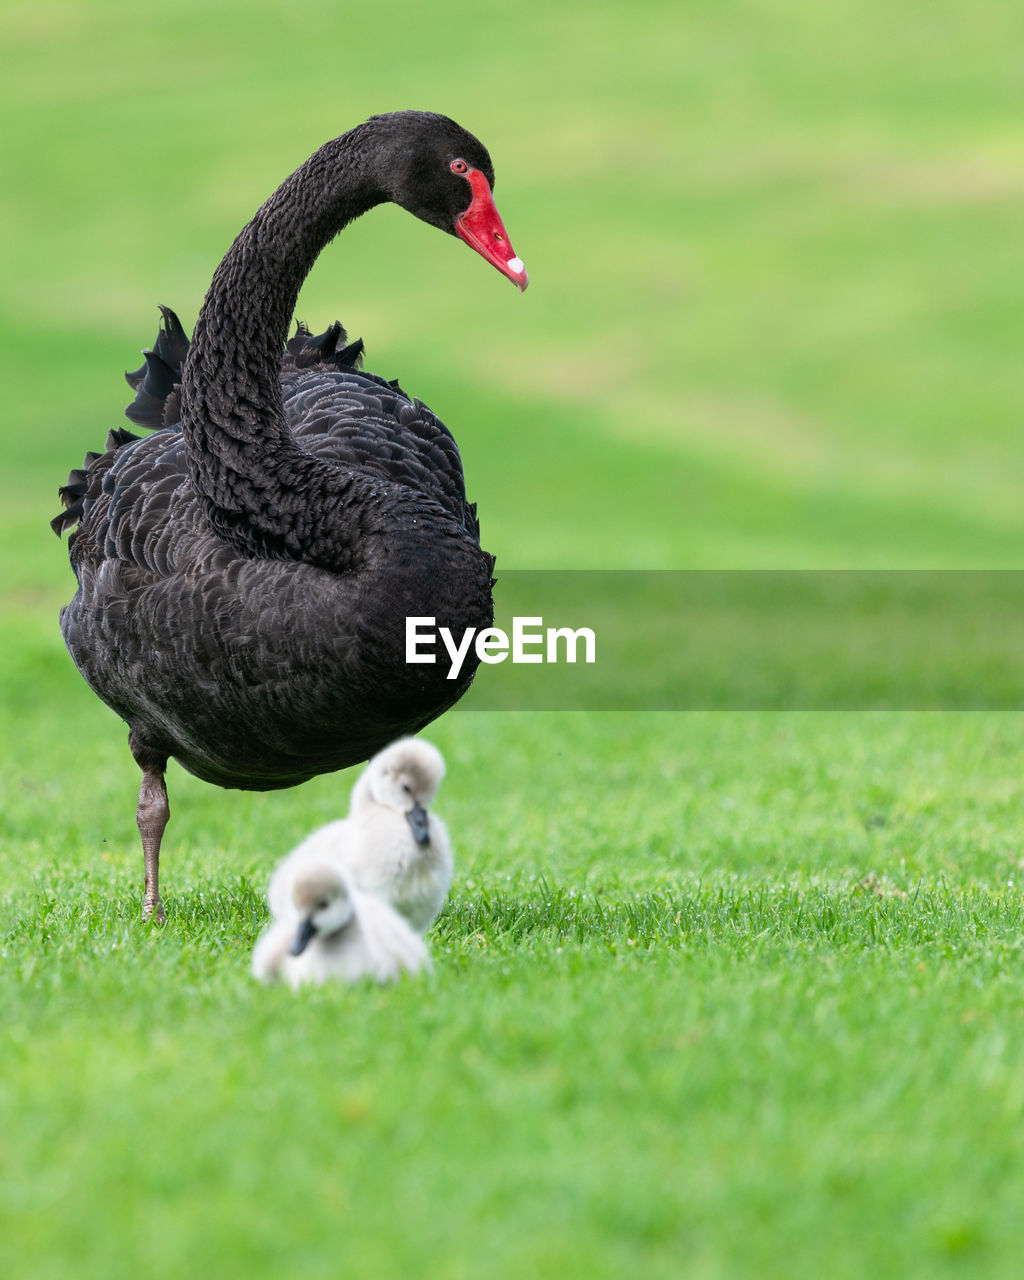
x=259, y=485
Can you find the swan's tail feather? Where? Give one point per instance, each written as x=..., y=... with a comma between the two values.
x=155, y=382
x=172, y=342
x=117, y=436
x=307, y=349
x=74, y=491
x=351, y=357
x=66, y=520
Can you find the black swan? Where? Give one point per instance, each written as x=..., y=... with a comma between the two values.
x=245, y=571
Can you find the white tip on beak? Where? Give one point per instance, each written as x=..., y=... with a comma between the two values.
x=516, y=269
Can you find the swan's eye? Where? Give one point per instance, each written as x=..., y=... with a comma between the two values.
x=321, y=905
x=459, y=166
x=406, y=788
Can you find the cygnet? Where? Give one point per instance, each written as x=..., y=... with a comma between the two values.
x=390, y=843
x=325, y=928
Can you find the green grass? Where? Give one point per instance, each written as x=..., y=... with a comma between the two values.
x=716, y=994
x=715, y=988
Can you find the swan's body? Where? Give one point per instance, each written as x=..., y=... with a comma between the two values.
x=245, y=572
x=260, y=671
x=324, y=928
x=392, y=844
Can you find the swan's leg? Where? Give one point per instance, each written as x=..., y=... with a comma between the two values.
x=151, y=816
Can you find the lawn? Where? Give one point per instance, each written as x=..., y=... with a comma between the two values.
x=717, y=994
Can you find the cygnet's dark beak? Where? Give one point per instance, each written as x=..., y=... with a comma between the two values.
x=420, y=823
x=304, y=936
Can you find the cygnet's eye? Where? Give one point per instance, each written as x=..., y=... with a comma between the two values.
x=322, y=905
x=406, y=788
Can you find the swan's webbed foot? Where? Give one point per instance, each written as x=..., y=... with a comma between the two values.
x=152, y=907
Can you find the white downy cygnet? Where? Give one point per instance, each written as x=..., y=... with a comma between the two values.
x=325, y=928
x=390, y=843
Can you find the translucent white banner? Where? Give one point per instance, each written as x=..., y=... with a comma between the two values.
x=689, y=640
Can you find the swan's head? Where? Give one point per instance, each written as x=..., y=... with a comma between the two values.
x=322, y=896
x=438, y=171
x=405, y=777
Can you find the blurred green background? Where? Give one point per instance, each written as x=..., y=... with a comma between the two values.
x=774, y=252
x=774, y=321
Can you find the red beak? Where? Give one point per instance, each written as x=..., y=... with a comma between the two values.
x=482, y=229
